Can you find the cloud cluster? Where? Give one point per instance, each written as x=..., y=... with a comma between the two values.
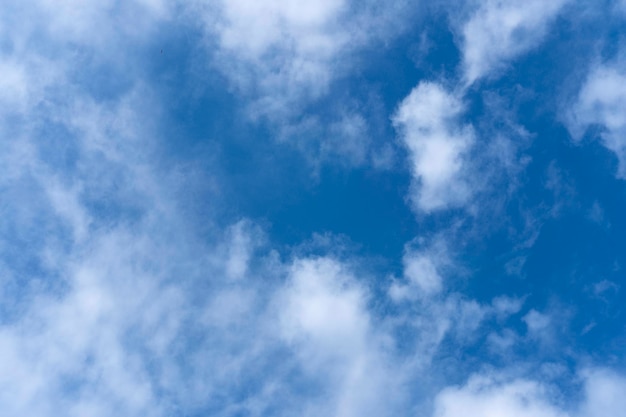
x=279, y=51
x=112, y=302
x=600, y=102
x=497, y=395
x=499, y=31
x=283, y=54
x=442, y=147
x=438, y=144
x=288, y=64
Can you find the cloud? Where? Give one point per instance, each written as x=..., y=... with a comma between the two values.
x=115, y=305
x=145, y=317
x=283, y=55
x=536, y=322
x=286, y=63
x=325, y=318
x=428, y=121
x=116, y=300
x=603, y=394
x=278, y=52
x=485, y=397
x=599, y=103
x=423, y=270
x=240, y=247
x=440, y=317
x=499, y=31
x=505, y=306
x=497, y=395
x=327, y=307
x=79, y=293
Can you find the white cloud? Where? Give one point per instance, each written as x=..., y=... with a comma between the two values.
x=302, y=24
x=486, y=397
x=505, y=306
x=500, y=31
x=423, y=269
x=277, y=51
x=124, y=308
x=600, y=102
x=438, y=145
x=604, y=394
x=281, y=59
x=147, y=317
x=536, y=322
x=87, y=22
x=326, y=306
x=284, y=54
x=132, y=313
x=497, y=395
x=436, y=313
x=240, y=248
x=324, y=316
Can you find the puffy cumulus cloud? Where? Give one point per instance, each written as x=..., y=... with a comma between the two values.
x=424, y=264
x=147, y=325
x=327, y=308
x=498, y=395
x=604, y=393
x=438, y=143
x=600, y=103
x=284, y=54
x=244, y=32
x=277, y=52
x=499, y=31
x=485, y=397
x=282, y=57
x=324, y=315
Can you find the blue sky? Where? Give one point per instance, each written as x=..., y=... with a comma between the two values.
x=335, y=208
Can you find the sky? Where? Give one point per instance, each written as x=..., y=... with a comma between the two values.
x=333, y=208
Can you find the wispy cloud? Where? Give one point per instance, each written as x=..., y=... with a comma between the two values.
x=498, y=32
